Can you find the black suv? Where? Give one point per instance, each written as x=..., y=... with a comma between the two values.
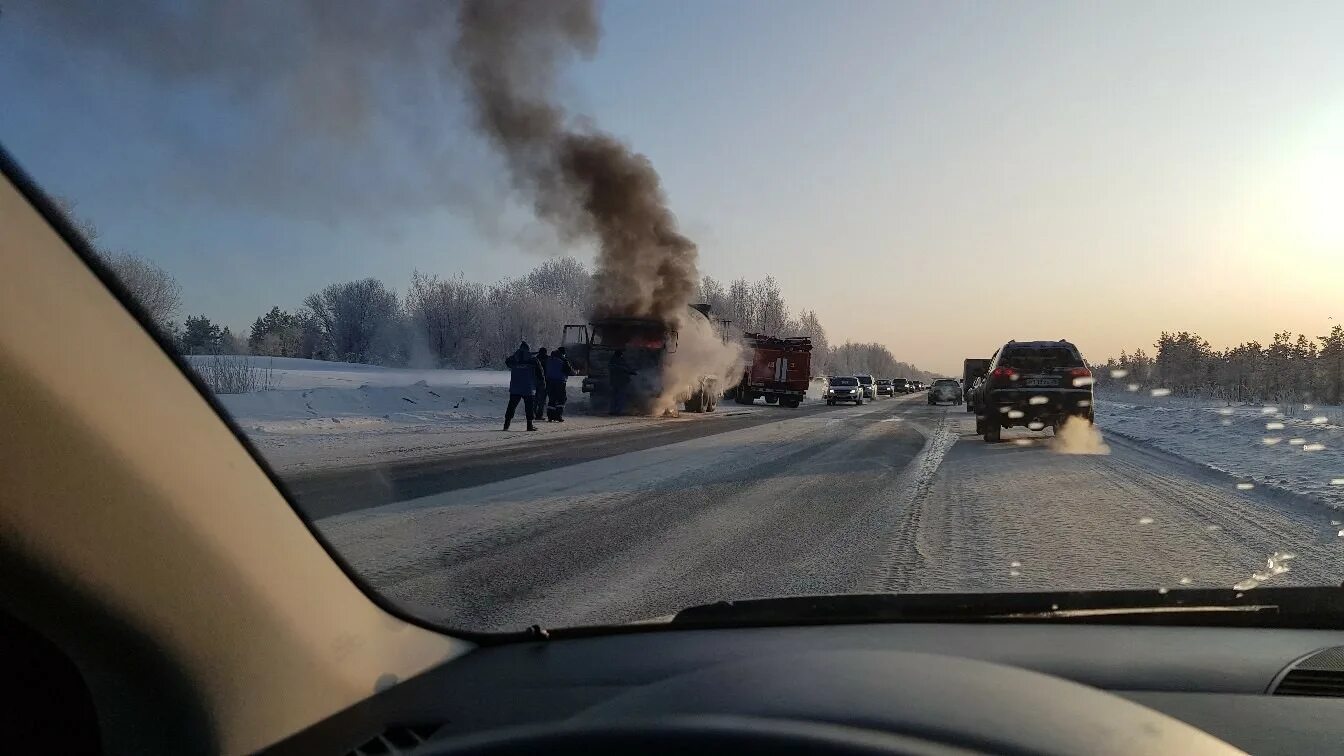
x=1033, y=383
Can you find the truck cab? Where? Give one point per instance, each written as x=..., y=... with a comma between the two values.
x=645, y=343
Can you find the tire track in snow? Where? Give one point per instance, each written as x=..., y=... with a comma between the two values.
x=1234, y=528
x=904, y=558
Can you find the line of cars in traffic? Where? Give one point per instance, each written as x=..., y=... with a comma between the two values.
x=862, y=387
x=1036, y=384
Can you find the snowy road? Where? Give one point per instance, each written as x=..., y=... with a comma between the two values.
x=891, y=496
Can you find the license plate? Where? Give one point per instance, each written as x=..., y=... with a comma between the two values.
x=1041, y=382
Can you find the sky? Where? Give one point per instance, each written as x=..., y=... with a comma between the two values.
x=936, y=176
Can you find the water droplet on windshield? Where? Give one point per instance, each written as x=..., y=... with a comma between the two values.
x=1023, y=442
x=1082, y=381
x=1160, y=392
x=1245, y=486
x=1133, y=387
x=1185, y=581
x=1084, y=403
x=1119, y=373
x=1213, y=528
x=1271, y=440
x=1016, y=414
x=1035, y=425
x=1145, y=521
x=1337, y=481
x=1308, y=406
x=1163, y=590
x=1038, y=400
x=1245, y=585
x=1225, y=421
x=1225, y=411
x=1320, y=420
x=1273, y=426
x=1313, y=447
x=1297, y=441
x=1015, y=564
x=1014, y=573
x=1268, y=410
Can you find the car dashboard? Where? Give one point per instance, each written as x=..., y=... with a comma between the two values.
x=1224, y=681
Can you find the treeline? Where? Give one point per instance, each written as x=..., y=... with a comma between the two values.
x=1291, y=368
x=868, y=359
x=453, y=322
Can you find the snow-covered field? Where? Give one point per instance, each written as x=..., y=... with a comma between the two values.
x=333, y=414
x=1297, y=449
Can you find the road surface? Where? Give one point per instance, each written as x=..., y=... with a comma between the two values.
x=891, y=496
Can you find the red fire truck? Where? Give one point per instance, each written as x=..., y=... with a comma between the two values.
x=779, y=371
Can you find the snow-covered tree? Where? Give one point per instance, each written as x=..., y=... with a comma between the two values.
x=354, y=319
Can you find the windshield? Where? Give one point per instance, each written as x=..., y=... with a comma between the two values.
x=528, y=306
x=1040, y=360
x=629, y=336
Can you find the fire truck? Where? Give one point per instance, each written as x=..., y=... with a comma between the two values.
x=780, y=370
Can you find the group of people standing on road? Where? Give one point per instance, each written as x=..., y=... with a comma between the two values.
x=538, y=381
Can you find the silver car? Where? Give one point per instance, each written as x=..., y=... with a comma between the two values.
x=869, y=387
x=843, y=388
x=945, y=390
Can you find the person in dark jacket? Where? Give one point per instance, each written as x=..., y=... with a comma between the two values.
x=558, y=371
x=619, y=372
x=522, y=383
x=539, y=381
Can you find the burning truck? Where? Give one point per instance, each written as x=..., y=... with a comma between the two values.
x=689, y=361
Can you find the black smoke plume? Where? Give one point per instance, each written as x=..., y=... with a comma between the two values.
x=588, y=184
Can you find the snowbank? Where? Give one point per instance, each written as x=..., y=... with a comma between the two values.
x=332, y=414
x=298, y=373
x=1299, y=450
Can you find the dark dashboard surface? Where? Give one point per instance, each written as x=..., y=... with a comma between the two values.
x=1213, y=678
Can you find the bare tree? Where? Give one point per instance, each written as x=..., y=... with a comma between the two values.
x=152, y=287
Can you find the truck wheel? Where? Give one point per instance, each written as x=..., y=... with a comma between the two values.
x=979, y=426
x=993, y=433
x=771, y=399
x=793, y=403
x=695, y=402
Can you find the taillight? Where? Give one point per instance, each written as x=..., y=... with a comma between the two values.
x=1081, y=377
x=1002, y=374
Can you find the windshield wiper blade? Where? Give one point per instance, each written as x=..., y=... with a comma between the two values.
x=1295, y=607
